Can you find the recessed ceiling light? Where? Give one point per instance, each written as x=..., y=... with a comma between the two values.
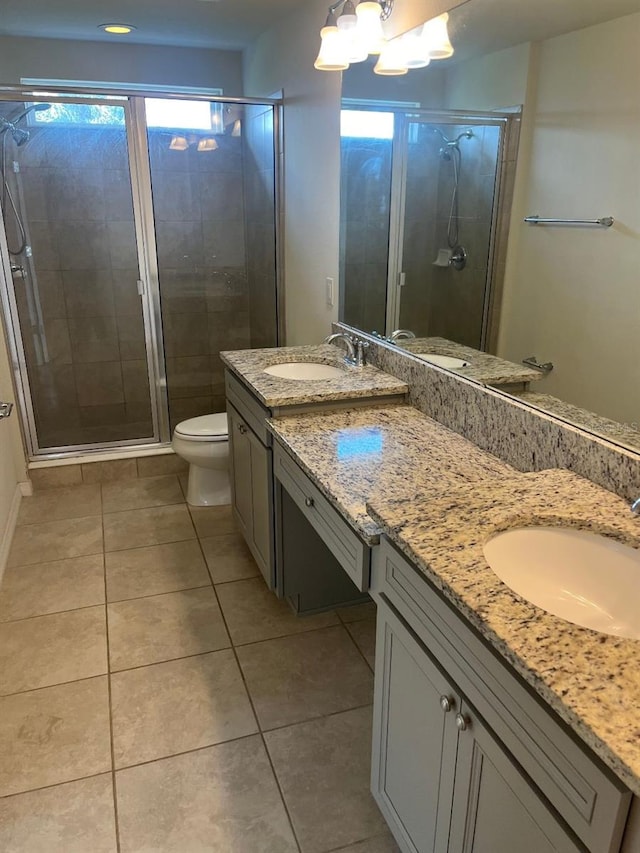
x=117, y=29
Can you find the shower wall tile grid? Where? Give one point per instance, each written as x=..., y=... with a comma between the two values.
x=527, y=439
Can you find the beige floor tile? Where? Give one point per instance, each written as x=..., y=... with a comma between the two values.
x=76, y=817
x=54, y=735
x=228, y=558
x=297, y=678
x=253, y=613
x=154, y=570
x=56, y=476
x=213, y=520
x=379, y=844
x=357, y=612
x=184, y=482
x=153, y=526
x=52, y=649
x=58, y=504
x=168, y=708
x=51, y=587
x=222, y=800
x=323, y=767
x=56, y=540
x=144, y=492
x=364, y=635
x=165, y=627
x=165, y=463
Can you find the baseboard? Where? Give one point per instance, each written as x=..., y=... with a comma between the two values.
x=9, y=529
x=26, y=488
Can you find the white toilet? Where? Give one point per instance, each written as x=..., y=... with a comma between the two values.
x=204, y=443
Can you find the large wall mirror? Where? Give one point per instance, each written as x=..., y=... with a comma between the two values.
x=536, y=114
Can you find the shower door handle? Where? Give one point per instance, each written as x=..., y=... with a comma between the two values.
x=402, y=279
x=5, y=410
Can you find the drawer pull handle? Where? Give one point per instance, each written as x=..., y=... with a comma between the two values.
x=446, y=703
x=462, y=722
x=308, y=502
x=242, y=429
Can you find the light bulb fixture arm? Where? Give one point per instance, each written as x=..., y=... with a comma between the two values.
x=386, y=5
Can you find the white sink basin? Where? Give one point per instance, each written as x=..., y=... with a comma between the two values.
x=442, y=360
x=582, y=577
x=304, y=371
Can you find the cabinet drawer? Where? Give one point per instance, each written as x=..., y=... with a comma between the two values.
x=590, y=798
x=253, y=412
x=348, y=549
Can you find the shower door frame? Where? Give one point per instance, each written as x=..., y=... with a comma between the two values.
x=132, y=101
x=400, y=153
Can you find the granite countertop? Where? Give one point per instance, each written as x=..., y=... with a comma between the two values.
x=483, y=367
x=438, y=497
x=351, y=455
x=626, y=434
x=272, y=391
x=590, y=679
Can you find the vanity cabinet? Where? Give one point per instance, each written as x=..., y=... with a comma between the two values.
x=466, y=758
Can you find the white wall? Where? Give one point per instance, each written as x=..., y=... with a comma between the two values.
x=282, y=59
x=59, y=59
x=571, y=294
x=490, y=82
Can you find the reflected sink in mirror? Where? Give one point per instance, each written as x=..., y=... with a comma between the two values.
x=585, y=578
x=441, y=360
x=303, y=371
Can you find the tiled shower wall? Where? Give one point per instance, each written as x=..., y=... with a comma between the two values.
x=364, y=231
x=92, y=386
x=200, y=233
x=259, y=191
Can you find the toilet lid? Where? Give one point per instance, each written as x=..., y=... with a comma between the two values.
x=205, y=428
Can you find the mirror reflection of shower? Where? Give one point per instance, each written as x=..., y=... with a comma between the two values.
x=455, y=255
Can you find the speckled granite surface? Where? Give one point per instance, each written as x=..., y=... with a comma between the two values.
x=350, y=455
x=622, y=433
x=592, y=680
x=483, y=367
x=273, y=392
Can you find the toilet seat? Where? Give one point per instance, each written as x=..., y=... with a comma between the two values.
x=204, y=428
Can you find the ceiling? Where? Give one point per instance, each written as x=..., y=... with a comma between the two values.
x=228, y=24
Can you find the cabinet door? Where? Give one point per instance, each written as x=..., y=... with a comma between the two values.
x=414, y=740
x=496, y=808
x=262, y=520
x=240, y=456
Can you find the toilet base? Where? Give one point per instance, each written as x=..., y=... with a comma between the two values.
x=208, y=486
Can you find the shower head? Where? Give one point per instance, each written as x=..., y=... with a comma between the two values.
x=20, y=136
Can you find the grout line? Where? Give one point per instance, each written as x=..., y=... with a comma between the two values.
x=54, y=785
x=110, y=699
x=317, y=717
x=53, y=612
x=253, y=710
x=150, y=545
x=156, y=594
x=57, y=683
x=289, y=636
x=353, y=640
x=135, y=509
x=185, y=752
x=171, y=660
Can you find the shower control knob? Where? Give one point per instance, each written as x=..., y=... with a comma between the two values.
x=5, y=410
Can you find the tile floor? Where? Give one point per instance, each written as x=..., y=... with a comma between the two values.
x=154, y=696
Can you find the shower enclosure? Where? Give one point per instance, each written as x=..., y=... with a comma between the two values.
x=139, y=241
x=421, y=195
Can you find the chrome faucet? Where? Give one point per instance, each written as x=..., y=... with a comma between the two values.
x=356, y=349
x=635, y=507
x=401, y=334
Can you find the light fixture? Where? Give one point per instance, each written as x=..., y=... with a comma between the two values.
x=179, y=143
x=208, y=143
x=355, y=32
x=436, y=37
x=117, y=29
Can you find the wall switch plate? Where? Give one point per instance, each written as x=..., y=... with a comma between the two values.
x=329, y=291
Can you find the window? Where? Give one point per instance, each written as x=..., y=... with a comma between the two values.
x=186, y=115
x=366, y=124
x=80, y=114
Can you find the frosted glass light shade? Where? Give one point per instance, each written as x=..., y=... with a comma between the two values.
x=334, y=51
x=348, y=19
x=391, y=62
x=436, y=37
x=179, y=143
x=369, y=30
x=207, y=144
x=415, y=49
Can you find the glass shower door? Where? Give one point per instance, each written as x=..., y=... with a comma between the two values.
x=446, y=188
x=74, y=293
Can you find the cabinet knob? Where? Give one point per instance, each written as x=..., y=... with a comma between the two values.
x=308, y=502
x=446, y=703
x=242, y=429
x=462, y=722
